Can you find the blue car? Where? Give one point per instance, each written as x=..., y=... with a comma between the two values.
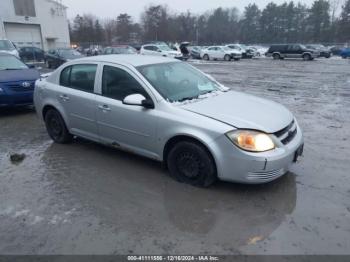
x=345, y=53
x=17, y=82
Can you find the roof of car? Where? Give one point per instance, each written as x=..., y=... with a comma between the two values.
x=133, y=60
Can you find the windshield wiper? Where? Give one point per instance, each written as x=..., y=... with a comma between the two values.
x=207, y=92
x=187, y=98
x=12, y=69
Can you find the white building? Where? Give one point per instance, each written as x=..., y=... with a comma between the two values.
x=40, y=23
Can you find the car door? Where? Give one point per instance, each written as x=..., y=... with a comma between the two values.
x=76, y=95
x=123, y=126
x=211, y=52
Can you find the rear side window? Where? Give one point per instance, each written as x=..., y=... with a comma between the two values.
x=118, y=84
x=80, y=77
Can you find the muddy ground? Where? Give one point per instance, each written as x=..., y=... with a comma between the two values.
x=84, y=198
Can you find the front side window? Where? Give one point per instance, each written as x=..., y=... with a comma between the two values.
x=80, y=77
x=118, y=84
x=178, y=81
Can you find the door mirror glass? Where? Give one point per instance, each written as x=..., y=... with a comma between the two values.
x=134, y=100
x=138, y=100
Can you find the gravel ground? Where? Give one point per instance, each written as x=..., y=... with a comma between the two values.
x=84, y=198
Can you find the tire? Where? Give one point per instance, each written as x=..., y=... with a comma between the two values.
x=276, y=56
x=56, y=127
x=237, y=59
x=227, y=58
x=191, y=163
x=307, y=57
x=206, y=57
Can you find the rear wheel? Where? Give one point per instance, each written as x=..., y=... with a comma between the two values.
x=206, y=57
x=307, y=57
x=56, y=127
x=276, y=56
x=191, y=163
x=227, y=58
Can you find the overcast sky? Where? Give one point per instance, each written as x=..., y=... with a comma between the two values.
x=111, y=8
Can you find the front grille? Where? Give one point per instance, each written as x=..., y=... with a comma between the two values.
x=287, y=134
x=18, y=87
x=267, y=175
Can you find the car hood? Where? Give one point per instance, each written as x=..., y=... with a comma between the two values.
x=243, y=111
x=18, y=75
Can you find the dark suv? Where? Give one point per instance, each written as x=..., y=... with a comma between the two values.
x=292, y=51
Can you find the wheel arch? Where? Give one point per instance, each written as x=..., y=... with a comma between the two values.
x=47, y=107
x=171, y=142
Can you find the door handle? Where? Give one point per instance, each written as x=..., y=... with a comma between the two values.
x=64, y=97
x=104, y=108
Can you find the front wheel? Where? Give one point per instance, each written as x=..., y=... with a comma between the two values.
x=276, y=56
x=206, y=57
x=307, y=57
x=227, y=58
x=57, y=128
x=191, y=163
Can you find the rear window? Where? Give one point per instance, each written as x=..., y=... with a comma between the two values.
x=80, y=77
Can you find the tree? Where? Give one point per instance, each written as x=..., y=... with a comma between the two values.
x=124, y=27
x=319, y=21
x=250, y=24
x=344, y=23
x=155, y=20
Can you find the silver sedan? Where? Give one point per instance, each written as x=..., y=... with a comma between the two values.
x=169, y=111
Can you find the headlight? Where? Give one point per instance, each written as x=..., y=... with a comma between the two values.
x=252, y=141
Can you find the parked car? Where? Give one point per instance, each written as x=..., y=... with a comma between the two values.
x=31, y=53
x=220, y=53
x=324, y=51
x=345, y=52
x=160, y=50
x=56, y=57
x=119, y=49
x=195, y=52
x=169, y=111
x=6, y=46
x=292, y=51
x=336, y=49
x=259, y=50
x=16, y=81
x=246, y=53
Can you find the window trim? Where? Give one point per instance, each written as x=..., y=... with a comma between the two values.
x=137, y=76
x=70, y=75
x=103, y=66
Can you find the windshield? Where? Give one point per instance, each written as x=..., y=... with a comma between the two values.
x=177, y=81
x=165, y=48
x=6, y=45
x=11, y=63
x=69, y=53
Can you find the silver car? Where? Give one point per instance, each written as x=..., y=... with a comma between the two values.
x=169, y=111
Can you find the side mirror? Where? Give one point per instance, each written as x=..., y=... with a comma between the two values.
x=138, y=100
x=31, y=66
x=159, y=51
